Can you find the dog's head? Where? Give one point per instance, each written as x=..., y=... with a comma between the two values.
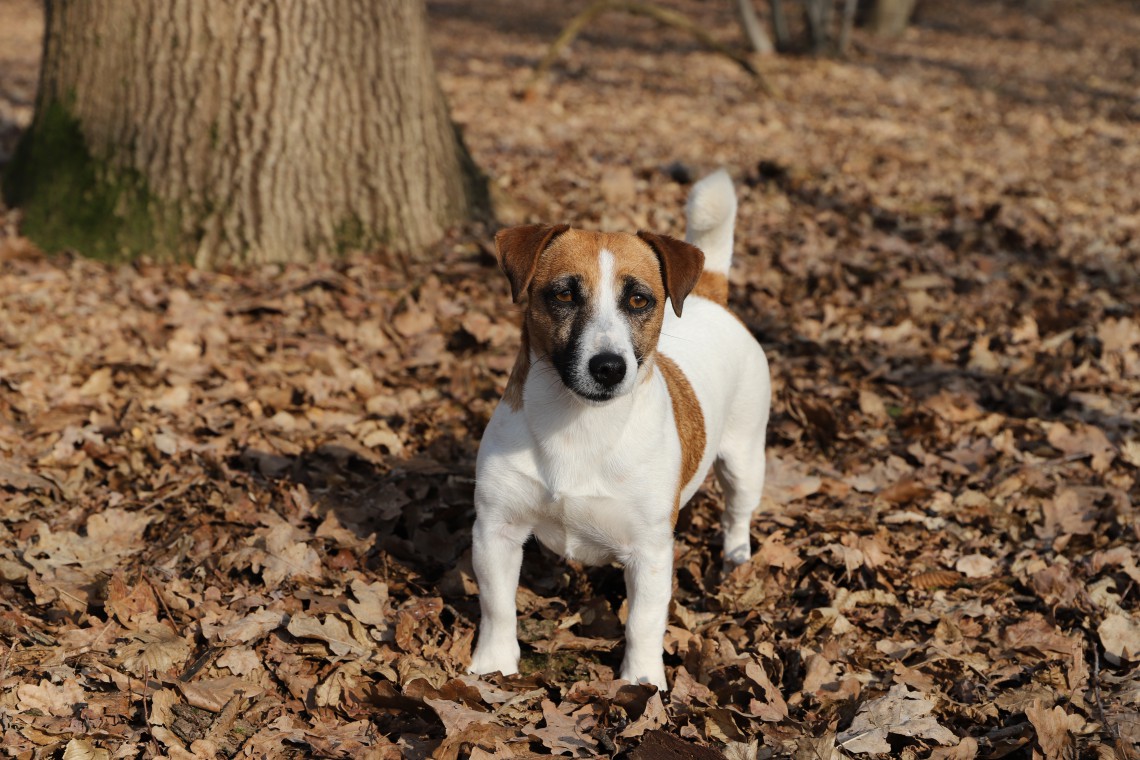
x=596, y=300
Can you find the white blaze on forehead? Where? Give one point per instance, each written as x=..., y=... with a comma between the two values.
x=606, y=331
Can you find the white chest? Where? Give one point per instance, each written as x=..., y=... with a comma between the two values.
x=586, y=480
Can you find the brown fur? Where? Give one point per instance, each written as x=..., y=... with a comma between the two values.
x=536, y=255
x=517, y=381
x=690, y=423
x=576, y=252
x=681, y=265
x=519, y=250
x=713, y=286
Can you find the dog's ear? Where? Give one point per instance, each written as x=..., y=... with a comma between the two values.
x=681, y=265
x=519, y=248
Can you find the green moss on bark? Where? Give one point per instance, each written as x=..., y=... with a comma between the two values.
x=73, y=201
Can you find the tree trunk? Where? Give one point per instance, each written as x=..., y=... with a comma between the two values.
x=753, y=29
x=224, y=131
x=889, y=18
x=780, y=26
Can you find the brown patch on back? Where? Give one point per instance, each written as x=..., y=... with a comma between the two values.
x=713, y=286
x=690, y=423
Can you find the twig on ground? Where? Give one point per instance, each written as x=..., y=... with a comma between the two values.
x=225, y=720
x=661, y=15
x=1113, y=730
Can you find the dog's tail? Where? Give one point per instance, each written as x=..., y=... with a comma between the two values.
x=710, y=218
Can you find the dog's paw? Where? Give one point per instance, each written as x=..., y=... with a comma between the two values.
x=654, y=674
x=735, y=557
x=490, y=659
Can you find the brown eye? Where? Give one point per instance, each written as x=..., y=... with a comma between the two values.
x=638, y=302
x=565, y=296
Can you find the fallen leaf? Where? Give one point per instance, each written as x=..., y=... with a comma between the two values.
x=900, y=712
x=81, y=749
x=1120, y=636
x=975, y=566
x=332, y=630
x=1054, y=730
x=212, y=694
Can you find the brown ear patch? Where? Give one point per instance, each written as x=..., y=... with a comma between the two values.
x=681, y=265
x=513, y=395
x=690, y=423
x=519, y=248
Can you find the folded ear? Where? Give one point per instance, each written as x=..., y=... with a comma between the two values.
x=681, y=265
x=519, y=248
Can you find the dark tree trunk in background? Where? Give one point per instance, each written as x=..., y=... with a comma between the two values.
x=224, y=131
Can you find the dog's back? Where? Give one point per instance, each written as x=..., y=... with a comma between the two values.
x=717, y=354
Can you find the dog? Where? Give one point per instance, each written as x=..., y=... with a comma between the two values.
x=614, y=412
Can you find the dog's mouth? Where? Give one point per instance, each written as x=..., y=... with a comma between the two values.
x=594, y=398
x=591, y=392
x=572, y=383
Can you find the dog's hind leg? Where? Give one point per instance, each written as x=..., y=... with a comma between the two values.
x=740, y=471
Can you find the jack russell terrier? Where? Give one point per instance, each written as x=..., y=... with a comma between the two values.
x=614, y=412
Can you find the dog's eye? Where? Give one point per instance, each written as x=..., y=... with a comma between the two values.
x=637, y=301
x=565, y=296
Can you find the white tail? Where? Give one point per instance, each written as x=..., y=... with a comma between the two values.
x=710, y=218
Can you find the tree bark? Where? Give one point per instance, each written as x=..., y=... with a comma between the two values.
x=889, y=18
x=224, y=131
x=780, y=26
x=753, y=29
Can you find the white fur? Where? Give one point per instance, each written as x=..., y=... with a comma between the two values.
x=710, y=216
x=606, y=331
x=597, y=482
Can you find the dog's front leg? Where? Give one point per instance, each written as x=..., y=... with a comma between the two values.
x=649, y=585
x=496, y=553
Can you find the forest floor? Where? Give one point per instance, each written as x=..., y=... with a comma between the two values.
x=235, y=507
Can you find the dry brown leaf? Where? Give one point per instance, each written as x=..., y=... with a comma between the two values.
x=212, y=694
x=371, y=606
x=1054, y=729
x=333, y=631
x=111, y=535
x=51, y=699
x=455, y=716
x=567, y=729
x=975, y=566
x=1083, y=440
x=81, y=749
x=900, y=712
x=787, y=481
x=153, y=648
x=1067, y=512
x=247, y=629
x=286, y=558
x=966, y=749
x=1120, y=636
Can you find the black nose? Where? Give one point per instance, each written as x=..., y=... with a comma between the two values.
x=608, y=369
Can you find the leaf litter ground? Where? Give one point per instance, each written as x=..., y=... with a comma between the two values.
x=236, y=506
